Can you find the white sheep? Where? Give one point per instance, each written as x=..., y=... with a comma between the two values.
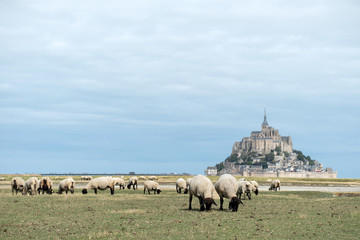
x=120, y=182
x=181, y=184
x=152, y=186
x=66, y=185
x=101, y=183
x=30, y=186
x=188, y=181
x=45, y=184
x=2, y=179
x=227, y=186
x=255, y=187
x=275, y=185
x=152, y=178
x=133, y=181
x=244, y=188
x=202, y=188
x=17, y=184
x=142, y=178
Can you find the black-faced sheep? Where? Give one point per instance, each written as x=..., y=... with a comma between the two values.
x=17, y=185
x=45, y=185
x=227, y=187
x=202, y=188
x=101, y=183
x=275, y=185
x=244, y=188
x=66, y=185
x=181, y=184
x=152, y=178
x=30, y=186
x=152, y=186
x=255, y=187
x=133, y=181
x=120, y=182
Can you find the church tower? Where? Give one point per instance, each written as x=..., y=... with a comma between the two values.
x=265, y=124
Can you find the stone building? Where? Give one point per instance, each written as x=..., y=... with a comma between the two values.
x=263, y=141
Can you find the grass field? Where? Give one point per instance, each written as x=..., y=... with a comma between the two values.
x=130, y=214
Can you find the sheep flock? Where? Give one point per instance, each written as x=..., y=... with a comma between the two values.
x=201, y=187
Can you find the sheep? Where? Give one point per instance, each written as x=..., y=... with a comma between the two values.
x=45, y=185
x=255, y=187
x=101, y=183
x=202, y=188
x=86, y=177
x=2, y=179
x=188, y=181
x=152, y=178
x=66, y=185
x=181, y=184
x=30, y=186
x=275, y=185
x=134, y=182
x=244, y=187
x=226, y=187
x=142, y=178
x=151, y=185
x=120, y=182
x=17, y=184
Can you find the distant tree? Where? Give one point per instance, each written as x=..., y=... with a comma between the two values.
x=264, y=165
x=269, y=157
x=219, y=166
x=278, y=150
x=286, y=154
x=232, y=158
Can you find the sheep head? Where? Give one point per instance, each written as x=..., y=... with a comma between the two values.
x=234, y=204
x=158, y=191
x=84, y=191
x=208, y=202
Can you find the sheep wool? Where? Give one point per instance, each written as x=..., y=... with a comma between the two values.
x=101, y=183
x=275, y=185
x=119, y=182
x=17, y=185
x=202, y=188
x=66, y=185
x=45, y=185
x=152, y=186
x=133, y=181
x=31, y=186
x=181, y=184
x=227, y=187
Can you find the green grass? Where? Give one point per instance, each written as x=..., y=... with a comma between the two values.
x=130, y=214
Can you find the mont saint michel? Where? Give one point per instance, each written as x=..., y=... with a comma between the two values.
x=266, y=153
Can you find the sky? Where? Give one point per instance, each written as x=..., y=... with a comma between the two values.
x=168, y=87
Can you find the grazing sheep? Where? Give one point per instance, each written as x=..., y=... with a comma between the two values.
x=151, y=185
x=244, y=188
x=30, y=186
x=66, y=185
x=275, y=185
x=134, y=182
x=152, y=178
x=255, y=187
x=45, y=185
x=2, y=179
x=101, y=183
x=17, y=184
x=227, y=187
x=142, y=178
x=86, y=177
x=181, y=184
x=120, y=182
x=202, y=188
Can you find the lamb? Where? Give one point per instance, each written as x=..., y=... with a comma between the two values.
x=202, y=188
x=227, y=187
x=66, y=185
x=181, y=184
x=153, y=178
x=134, y=182
x=275, y=185
x=17, y=184
x=120, y=182
x=255, y=187
x=45, y=185
x=30, y=186
x=142, y=178
x=244, y=187
x=151, y=185
x=101, y=183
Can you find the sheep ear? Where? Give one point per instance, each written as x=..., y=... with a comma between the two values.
x=214, y=202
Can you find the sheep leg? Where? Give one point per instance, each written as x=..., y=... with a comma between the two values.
x=95, y=190
x=221, y=203
x=144, y=190
x=112, y=190
x=202, y=207
x=148, y=191
x=180, y=190
x=190, y=200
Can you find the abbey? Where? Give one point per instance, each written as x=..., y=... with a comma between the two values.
x=264, y=141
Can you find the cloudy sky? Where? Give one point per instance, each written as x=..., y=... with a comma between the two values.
x=166, y=86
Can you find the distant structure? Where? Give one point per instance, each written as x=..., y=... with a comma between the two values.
x=263, y=141
x=268, y=154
